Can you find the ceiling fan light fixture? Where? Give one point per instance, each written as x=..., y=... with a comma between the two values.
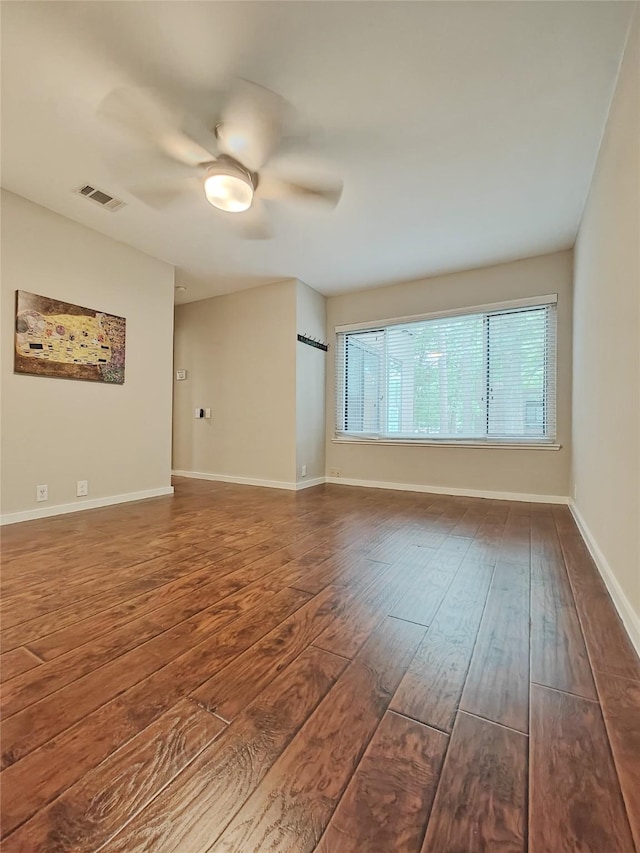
x=228, y=187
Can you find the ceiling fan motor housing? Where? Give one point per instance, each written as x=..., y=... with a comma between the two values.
x=229, y=186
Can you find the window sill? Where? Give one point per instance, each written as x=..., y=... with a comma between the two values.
x=493, y=445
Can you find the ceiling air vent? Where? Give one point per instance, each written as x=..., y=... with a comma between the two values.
x=100, y=198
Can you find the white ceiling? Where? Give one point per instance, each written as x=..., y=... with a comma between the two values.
x=466, y=133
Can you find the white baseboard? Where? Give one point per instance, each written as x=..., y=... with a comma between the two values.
x=306, y=484
x=251, y=481
x=450, y=490
x=630, y=619
x=240, y=481
x=94, y=503
x=374, y=484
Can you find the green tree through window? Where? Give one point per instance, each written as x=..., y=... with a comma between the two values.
x=476, y=376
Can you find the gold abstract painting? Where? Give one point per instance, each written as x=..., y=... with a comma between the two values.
x=55, y=338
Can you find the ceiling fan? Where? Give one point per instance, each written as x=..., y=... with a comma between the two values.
x=227, y=157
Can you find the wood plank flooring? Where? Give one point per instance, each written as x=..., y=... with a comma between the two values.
x=333, y=670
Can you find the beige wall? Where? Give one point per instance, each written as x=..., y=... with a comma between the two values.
x=240, y=354
x=311, y=366
x=58, y=431
x=606, y=393
x=538, y=472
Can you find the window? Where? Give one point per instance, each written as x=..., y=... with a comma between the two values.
x=483, y=376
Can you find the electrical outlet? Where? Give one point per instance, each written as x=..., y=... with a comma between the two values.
x=303, y=471
x=207, y=413
x=42, y=493
x=335, y=472
x=82, y=488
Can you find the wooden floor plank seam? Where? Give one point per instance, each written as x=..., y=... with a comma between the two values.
x=363, y=666
x=457, y=708
x=573, y=595
x=335, y=654
x=630, y=799
x=566, y=692
x=334, y=808
x=92, y=600
x=475, y=641
x=13, y=838
x=97, y=768
x=271, y=573
x=481, y=794
x=11, y=602
x=419, y=722
x=127, y=650
x=203, y=707
x=597, y=671
x=9, y=758
x=611, y=829
x=492, y=722
x=449, y=708
x=365, y=819
x=409, y=621
x=35, y=654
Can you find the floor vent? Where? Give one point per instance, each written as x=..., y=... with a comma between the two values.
x=100, y=198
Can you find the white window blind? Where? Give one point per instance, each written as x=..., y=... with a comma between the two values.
x=483, y=376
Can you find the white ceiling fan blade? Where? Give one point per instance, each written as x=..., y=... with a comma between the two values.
x=147, y=165
x=152, y=176
x=147, y=115
x=251, y=224
x=326, y=192
x=162, y=193
x=252, y=123
x=158, y=197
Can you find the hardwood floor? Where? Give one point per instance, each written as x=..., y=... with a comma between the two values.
x=339, y=669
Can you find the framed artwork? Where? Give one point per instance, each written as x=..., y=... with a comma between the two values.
x=55, y=338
